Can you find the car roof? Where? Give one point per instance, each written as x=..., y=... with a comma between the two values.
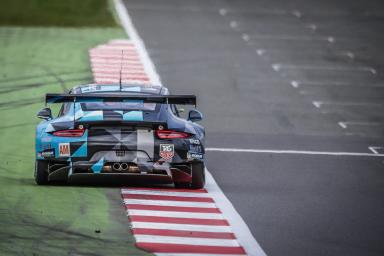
x=117, y=88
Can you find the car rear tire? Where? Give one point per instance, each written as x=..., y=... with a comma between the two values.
x=198, y=175
x=41, y=172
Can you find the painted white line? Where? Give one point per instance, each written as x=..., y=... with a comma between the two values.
x=245, y=37
x=233, y=24
x=316, y=52
x=297, y=14
x=256, y=11
x=304, y=92
x=279, y=66
x=311, y=83
x=187, y=227
x=292, y=38
x=295, y=84
x=345, y=124
x=318, y=104
x=223, y=11
x=239, y=227
x=242, y=232
x=276, y=67
x=295, y=152
x=260, y=52
x=164, y=193
x=196, y=254
x=348, y=54
x=333, y=83
x=374, y=149
x=186, y=240
x=133, y=35
x=169, y=203
x=311, y=26
x=331, y=39
x=173, y=214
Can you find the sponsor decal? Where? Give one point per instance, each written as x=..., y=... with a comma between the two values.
x=167, y=151
x=192, y=155
x=48, y=153
x=195, y=148
x=64, y=150
x=120, y=153
x=194, y=141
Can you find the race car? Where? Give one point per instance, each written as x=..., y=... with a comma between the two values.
x=132, y=133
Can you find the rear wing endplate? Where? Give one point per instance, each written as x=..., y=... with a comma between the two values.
x=89, y=97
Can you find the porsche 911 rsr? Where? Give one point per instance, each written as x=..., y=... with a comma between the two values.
x=132, y=133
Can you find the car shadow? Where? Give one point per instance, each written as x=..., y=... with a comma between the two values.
x=110, y=183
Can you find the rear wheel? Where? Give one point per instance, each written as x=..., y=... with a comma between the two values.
x=41, y=172
x=198, y=175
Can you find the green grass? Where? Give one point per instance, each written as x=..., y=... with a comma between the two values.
x=73, y=13
x=49, y=220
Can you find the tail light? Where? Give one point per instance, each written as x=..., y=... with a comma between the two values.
x=69, y=133
x=169, y=134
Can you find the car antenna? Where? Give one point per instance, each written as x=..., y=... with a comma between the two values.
x=121, y=68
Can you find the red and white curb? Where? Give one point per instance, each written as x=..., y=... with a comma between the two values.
x=179, y=221
x=169, y=221
x=117, y=61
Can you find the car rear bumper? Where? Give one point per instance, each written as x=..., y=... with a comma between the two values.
x=80, y=172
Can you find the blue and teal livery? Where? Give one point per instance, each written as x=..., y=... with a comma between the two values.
x=134, y=132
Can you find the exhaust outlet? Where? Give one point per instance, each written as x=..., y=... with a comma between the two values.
x=116, y=166
x=124, y=166
x=133, y=169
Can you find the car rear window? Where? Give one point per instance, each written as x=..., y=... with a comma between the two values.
x=126, y=105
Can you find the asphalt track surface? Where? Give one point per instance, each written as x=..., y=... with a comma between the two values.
x=284, y=75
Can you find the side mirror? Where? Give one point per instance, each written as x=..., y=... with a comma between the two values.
x=45, y=114
x=195, y=115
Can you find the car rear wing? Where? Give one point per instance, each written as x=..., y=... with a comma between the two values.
x=90, y=97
